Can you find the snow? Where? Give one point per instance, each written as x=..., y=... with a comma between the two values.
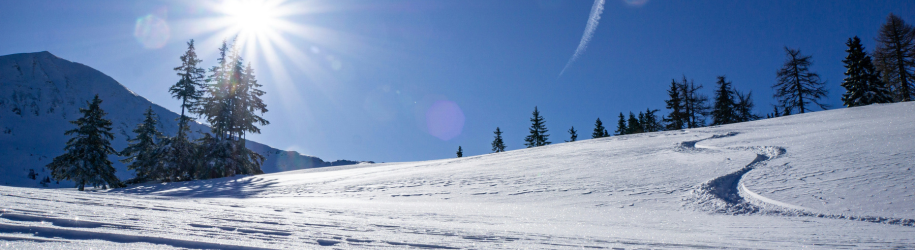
x=40, y=93
x=827, y=180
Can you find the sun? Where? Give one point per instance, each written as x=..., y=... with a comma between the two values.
x=251, y=17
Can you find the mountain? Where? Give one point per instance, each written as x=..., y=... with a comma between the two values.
x=40, y=93
x=836, y=179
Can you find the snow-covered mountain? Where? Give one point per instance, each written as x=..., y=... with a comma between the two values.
x=834, y=179
x=40, y=93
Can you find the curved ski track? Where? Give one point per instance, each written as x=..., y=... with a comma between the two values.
x=728, y=195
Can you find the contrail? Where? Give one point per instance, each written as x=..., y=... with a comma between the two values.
x=596, y=10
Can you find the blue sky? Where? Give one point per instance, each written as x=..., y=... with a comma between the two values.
x=413, y=80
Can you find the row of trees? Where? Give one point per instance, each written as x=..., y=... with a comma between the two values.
x=797, y=90
x=228, y=98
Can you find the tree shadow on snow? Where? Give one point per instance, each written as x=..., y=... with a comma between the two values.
x=228, y=187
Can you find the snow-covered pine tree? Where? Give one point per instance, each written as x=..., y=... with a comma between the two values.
x=497, y=144
x=621, y=128
x=723, y=109
x=675, y=119
x=86, y=159
x=862, y=83
x=796, y=87
x=460, y=152
x=895, y=57
x=744, y=108
x=538, y=136
x=599, y=130
x=633, y=125
x=573, y=134
x=142, y=150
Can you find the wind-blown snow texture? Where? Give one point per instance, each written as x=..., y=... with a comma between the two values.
x=40, y=93
x=830, y=179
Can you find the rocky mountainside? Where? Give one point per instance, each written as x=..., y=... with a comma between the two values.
x=40, y=93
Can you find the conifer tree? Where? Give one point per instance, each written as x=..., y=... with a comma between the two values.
x=538, y=136
x=634, y=126
x=621, y=128
x=723, y=111
x=895, y=57
x=599, y=130
x=695, y=105
x=675, y=120
x=86, y=159
x=650, y=122
x=497, y=144
x=862, y=82
x=142, y=150
x=797, y=87
x=743, y=110
x=573, y=134
x=460, y=152
x=190, y=87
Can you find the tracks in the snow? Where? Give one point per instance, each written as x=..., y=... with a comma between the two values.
x=726, y=194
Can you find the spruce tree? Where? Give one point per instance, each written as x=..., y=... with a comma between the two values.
x=142, y=150
x=862, y=83
x=895, y=57
x=86, y=159
x=190, y=87
x=538, y=136
x=460, y=152
x=621, y=128
x=650, y=122
x=633, y=125
x=599, y=130
x=723, y=109
x=573, y=134
x=497, y=144
x=695, y=105
x=675, y=120
x=743, y=110
x=797, y=87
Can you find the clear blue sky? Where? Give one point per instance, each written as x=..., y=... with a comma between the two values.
x=384, y=80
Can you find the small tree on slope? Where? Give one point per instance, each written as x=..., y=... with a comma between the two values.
x=599, y=130
x=573, y=134
x=675, y=120
x=460, y=152
x=538, y=136
x=723, y=109
x=142, y=151
x=895, y=57
x=796, y=87
x=497, y=144
x=621, y=128
x=86, y=159
x=862, y=82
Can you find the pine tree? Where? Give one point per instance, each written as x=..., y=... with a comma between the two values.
x=695, y=105
x=497, y=144
x=142, y=150
x=621, y=128
x=674, y=120
x=796, y=86
x=573, y=134
x=895, y=57
x=634, y=126
x=538, y=136
x=862, y=83
x=723, y=110
x=460, y=152
x=743, y=110
x=190, y=87
x=599, y=130
x=650, y=122
x=86, y=159
x=230, y=107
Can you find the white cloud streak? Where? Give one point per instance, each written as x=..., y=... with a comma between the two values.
x=593, y=19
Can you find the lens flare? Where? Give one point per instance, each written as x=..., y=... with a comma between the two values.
x=151, y=31
x=445, y=120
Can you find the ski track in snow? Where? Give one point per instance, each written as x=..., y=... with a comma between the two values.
x=728, y=195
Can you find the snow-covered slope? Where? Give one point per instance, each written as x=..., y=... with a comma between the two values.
x=40, y=93
x=831, y=179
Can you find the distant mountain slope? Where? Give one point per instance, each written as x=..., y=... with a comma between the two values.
x=40, y=93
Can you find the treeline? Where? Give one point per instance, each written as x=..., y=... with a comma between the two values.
x=886, y=75
x=228, y=98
